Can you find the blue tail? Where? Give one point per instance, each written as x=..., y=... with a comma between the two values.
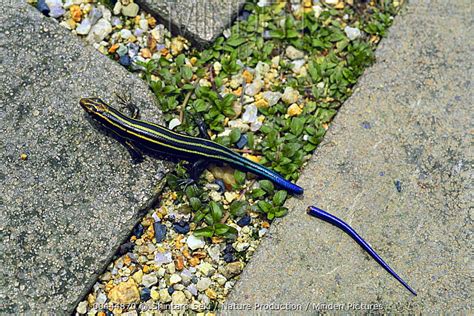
x=319, y=213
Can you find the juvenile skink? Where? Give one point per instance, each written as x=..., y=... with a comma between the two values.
x=152, y=137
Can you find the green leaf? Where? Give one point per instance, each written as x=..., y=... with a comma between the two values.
x=235, y=135
x=256, y=193
x=267, y=186
x=195, y=203
x=251, y=140
x=198, y=216
x=186, y=73
x=192, y=191
x=264, y=206
x=279, y=198
x=297, y=125
x=216, y=211
x=180, y=60
x=238, y=208
x=204, y=232
x=235, y=41
x=281, y=211
x=225, y=231
x=239, y=177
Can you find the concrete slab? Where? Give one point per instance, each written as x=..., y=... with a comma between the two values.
x=200, y=21
x=408, y=122
x=67, y=208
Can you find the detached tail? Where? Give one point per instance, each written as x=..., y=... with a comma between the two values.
x=319, y=213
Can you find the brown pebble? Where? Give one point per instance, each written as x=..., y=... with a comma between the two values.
x=194, y=261
x=146, y=53
x=179, y=263
x=200, y=254
x=186, y=253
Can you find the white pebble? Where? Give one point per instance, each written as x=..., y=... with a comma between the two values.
x=125, y=34
x=175, y=279
x=194, y=242
x=271, y=97
x=254, y=88
x=251, y=113
x=352, y=32
x=203, y=284
x=84, y=27
x=173, y=123
x=293, y=53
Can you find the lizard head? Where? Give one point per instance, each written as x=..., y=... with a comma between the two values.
x=94, y=105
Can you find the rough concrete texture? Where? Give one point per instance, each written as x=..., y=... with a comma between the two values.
x=67, y=208
x=409, y=120
x=200, y=21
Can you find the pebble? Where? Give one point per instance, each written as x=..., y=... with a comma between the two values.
x=94, y=15
x=130, y=10
x=203, y=284
x=243, y=127
x=55, y=8
x=173, y=123
x=122, y=50
x=117, y=8
x=42, y=7
x=186, y=276
x=138, y=276
x=170, y=290
x=125, y=248
x=271, y=97
x=192, y=289
x=220, y=279
x=116, y=21
x=244, y=221
x=164, y=296
x=262, y=68
x=155, y=295
x=293, y=53
x=179, y=298
x=290, y=95
x=99, y=31
x=149, y=279
x=175, y=278
x=181, y=227
x=221, y=185
x=317, y=9
x=242, y=246
x=251, y=113
x=214, y=252
x=160, y=231
x=352, y=32
x=124, y=293
x=145, y=294
x=82, y=307
x=241, y=142
x=232, y=269
x=138, y=230
x=194, y=242
x=294, y=110
x=229, y=257
x=254, y=88
x=84, y=27
x=298, y=66
x=206, y=268
x=163, y=258
x=125, y=34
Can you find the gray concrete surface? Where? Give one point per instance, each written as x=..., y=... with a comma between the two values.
x=409, y=120
x=200, y=21
x=67, y=207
